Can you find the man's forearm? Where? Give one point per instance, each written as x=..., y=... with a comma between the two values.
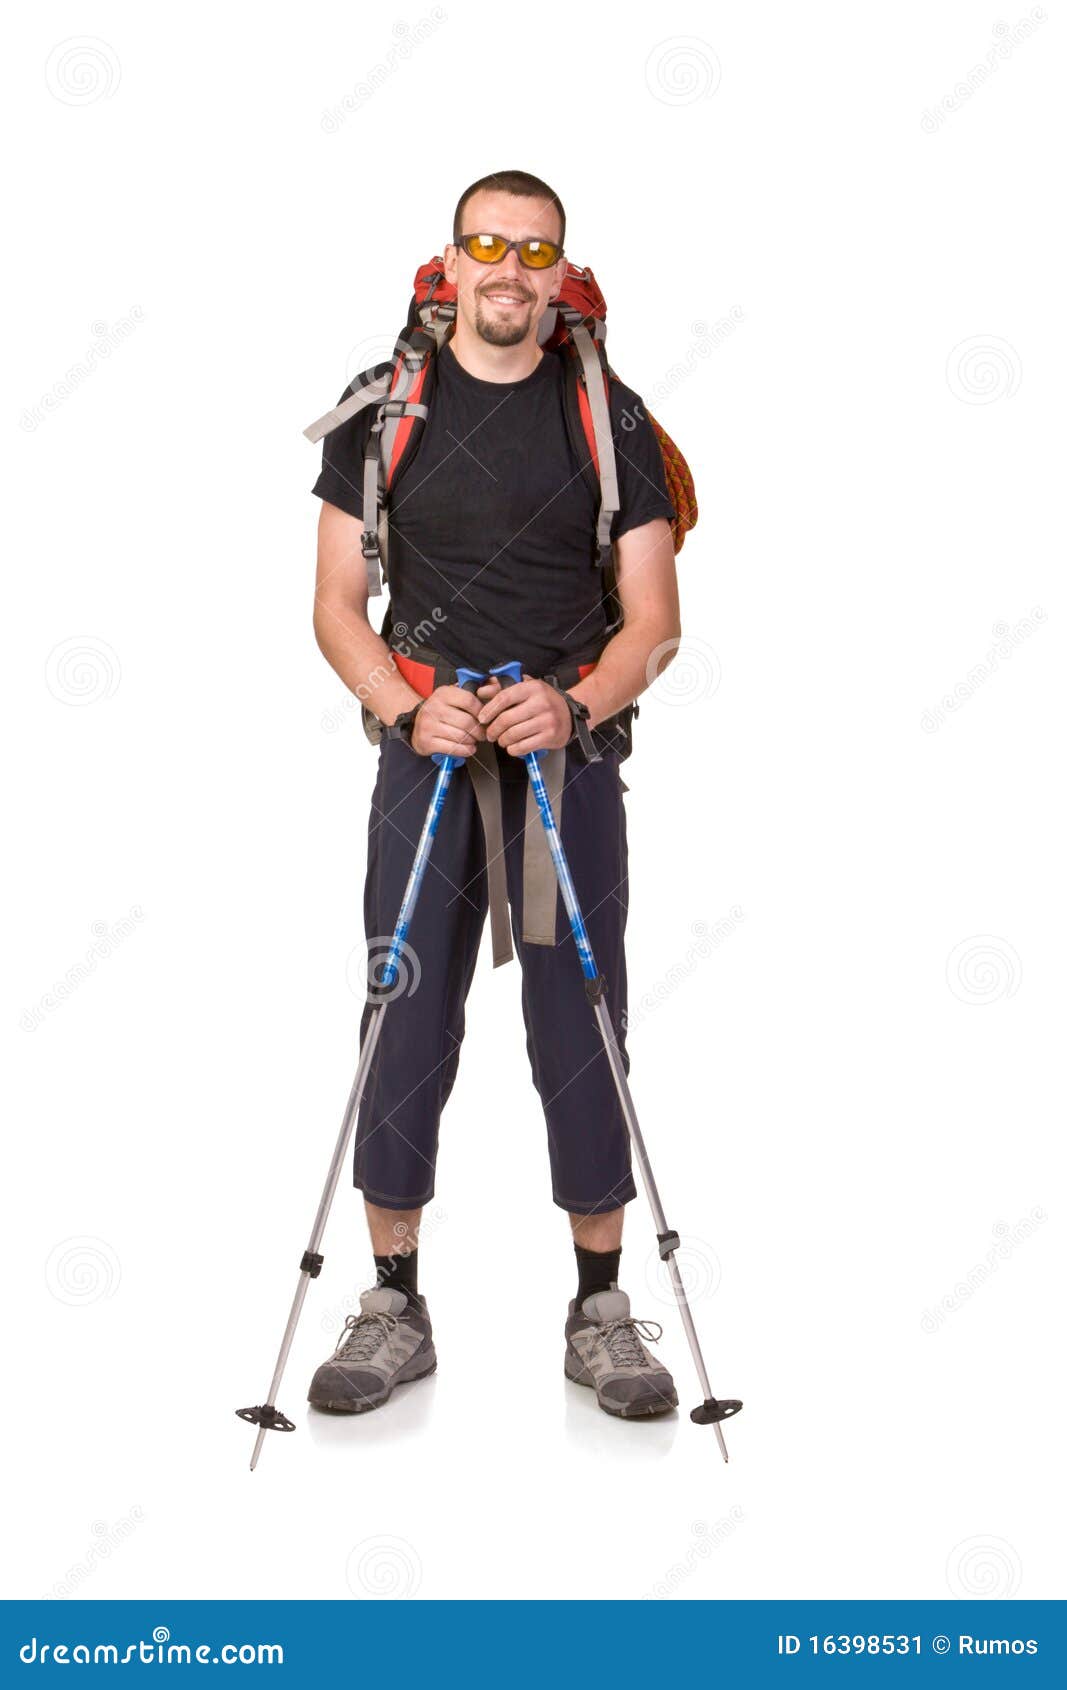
x=626, y=669
x=363, y=661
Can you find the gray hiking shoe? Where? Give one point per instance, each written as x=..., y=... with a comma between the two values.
x=389, y=1342
x=604, y=1350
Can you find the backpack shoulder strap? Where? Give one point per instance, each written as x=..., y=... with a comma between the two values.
x=595, y=417
x=370, y=388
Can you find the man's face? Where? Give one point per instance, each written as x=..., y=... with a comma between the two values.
x=503, y=303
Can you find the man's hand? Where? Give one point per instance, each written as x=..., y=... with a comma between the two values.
x=530, y=716
x=448, y=723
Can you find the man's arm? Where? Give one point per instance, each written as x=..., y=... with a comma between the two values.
x=361, y=657
x=648, y=592
x=342, y=629
x=532, y=716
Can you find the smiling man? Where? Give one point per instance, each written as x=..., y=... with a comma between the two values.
x=491, y=534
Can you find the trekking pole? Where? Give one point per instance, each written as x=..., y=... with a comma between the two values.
x=266, y=1416
x=712, y=1410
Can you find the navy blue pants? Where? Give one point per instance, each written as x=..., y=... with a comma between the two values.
x=415, y=1064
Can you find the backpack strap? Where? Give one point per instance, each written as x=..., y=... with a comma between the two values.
x=366, y=393
x=378, y=461
x=595, y=414
x=395, y=431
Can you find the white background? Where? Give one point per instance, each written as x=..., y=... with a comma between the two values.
x=850, y=1099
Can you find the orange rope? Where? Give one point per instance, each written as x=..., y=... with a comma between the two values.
x=680, y=487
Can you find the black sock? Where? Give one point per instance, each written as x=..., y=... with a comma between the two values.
x=598, y=1270
x=398, y=1273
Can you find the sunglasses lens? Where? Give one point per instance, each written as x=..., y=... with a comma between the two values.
x=538, y=255
x=487, y=249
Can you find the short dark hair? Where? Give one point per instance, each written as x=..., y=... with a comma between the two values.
x=518, y=182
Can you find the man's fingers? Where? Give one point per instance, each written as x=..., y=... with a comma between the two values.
x=508, y=699
x=523, y=747
x=458, y=719
x=459, y=699
x=451, y=741
x=531, y=734
x=523, y=710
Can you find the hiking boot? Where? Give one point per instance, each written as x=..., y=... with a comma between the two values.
x=604, y=1350
x=387, y=1343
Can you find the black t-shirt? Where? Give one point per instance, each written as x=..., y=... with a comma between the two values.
x=491, y=525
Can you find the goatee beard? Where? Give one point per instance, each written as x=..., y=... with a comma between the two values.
x=501, y=333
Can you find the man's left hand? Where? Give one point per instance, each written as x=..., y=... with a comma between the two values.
x=529, y=716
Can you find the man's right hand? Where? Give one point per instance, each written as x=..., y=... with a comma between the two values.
x=448, y=723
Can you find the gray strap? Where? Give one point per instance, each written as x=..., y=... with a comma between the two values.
x=439, y=326
x=371, y=523
x=601, y=415
x=405, y=382
x=539, y=885
x=374, y=486
x=486, y=783
x=371, y=394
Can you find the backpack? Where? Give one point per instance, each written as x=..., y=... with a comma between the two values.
x=402, y=388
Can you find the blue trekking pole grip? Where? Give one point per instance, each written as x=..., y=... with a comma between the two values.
x=470, y=680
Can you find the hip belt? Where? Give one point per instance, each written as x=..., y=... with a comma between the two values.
x=540, y=889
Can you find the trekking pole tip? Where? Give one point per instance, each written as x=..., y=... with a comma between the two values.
x=268, y=1419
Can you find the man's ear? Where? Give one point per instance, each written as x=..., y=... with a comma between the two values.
x=451, y=259
x=561, y=271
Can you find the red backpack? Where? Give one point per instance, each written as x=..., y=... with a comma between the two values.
x=402, y=389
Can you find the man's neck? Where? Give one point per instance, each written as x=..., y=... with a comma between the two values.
x=494, y=363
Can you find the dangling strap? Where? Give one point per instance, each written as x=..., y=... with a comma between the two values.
x=540, y=887
x=369, y=394
x=486, y=783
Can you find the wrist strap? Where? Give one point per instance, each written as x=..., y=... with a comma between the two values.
x=404, y=725
x=580, y=733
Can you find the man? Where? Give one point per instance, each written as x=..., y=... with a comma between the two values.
x=490, y=547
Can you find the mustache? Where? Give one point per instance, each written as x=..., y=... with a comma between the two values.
x=505, y=287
